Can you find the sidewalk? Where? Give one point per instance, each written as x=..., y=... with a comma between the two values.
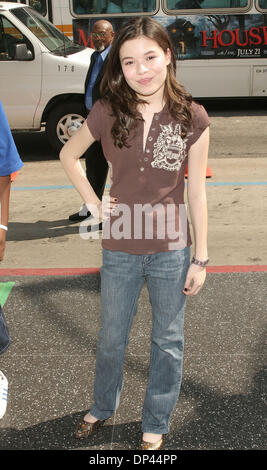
x=41, y=236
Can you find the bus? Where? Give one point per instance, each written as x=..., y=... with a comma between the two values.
x=220, y=45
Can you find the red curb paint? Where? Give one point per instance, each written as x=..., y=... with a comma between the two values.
x=79, y=271
x=236, y=269
x=48, y=271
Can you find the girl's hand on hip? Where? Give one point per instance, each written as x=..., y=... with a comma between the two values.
x=109, y=207
x=195, y=279
x=103, y=210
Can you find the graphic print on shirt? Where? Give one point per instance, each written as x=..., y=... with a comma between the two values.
x=170, y=148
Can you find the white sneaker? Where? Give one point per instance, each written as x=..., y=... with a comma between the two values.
x=3, y=394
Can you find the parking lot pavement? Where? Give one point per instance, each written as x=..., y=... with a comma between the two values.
x=50, y=364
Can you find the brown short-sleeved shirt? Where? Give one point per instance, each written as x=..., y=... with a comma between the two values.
x=149, y=183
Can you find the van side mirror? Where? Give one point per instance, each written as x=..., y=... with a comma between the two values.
x=22, y=52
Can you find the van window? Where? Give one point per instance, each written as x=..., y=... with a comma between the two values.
x=9, y=37
x=263, y=4
x=46, y=32
x=208, y=4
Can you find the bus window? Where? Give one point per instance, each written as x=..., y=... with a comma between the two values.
x=134, y=6
x=83, y=7
x=39, y=5
x=207, y=4
x=95, y=7
x=263, y=4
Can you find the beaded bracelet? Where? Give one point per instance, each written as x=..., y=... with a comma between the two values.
x=200, y=263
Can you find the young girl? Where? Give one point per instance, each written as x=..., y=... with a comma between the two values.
x=149, y=130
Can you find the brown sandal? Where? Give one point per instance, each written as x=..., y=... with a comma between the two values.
x=151, y=446
x=85, y=429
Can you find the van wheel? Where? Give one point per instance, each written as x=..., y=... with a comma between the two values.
x=63, y=121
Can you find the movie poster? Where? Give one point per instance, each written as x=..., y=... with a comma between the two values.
x=202, y=36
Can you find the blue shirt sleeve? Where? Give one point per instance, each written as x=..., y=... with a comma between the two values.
x=10, y=160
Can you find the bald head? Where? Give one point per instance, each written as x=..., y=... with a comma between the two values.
x=102, y=34
x=103, y=24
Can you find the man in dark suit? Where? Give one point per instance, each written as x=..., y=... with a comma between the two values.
x=95, y=162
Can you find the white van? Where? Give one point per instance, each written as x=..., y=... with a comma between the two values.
x=42, y=74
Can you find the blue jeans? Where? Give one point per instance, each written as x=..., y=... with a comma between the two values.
x=122, y=278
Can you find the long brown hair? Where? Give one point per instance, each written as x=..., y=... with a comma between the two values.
x=123, y=99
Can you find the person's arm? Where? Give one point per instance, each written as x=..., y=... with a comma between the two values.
x=5, y=184
x=197, y=202
x=70, y=155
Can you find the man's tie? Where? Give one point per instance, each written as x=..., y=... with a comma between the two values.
x=96, y=69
